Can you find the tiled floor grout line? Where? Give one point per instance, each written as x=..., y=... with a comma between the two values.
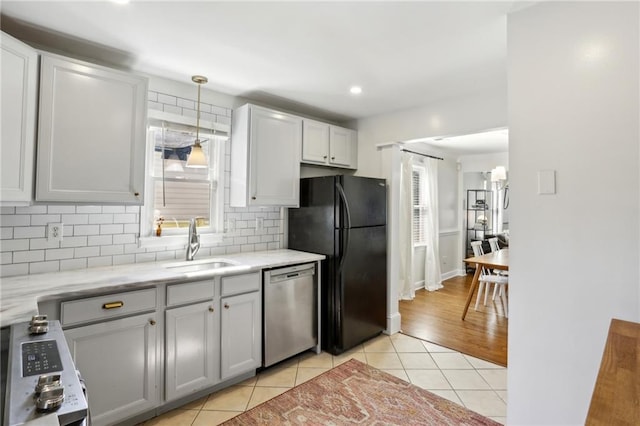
x=383, y=345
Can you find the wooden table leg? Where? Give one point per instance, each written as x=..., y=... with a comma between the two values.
x=474, y=284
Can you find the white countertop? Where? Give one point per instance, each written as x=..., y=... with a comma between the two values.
x=19, y=296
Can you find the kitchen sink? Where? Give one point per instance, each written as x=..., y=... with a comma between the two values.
x=200, y=265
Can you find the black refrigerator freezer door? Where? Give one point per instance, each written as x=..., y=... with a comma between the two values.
x=311, y=225
x=366, y=200
x=360, y=286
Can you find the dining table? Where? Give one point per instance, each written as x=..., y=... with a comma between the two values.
x=498, y=259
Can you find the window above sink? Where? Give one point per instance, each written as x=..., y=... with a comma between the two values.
x=176, y=193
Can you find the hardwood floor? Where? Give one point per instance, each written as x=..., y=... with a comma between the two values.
x=435, y=316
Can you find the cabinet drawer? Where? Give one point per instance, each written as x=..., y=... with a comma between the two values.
x=107, y=307
x=178, y=294
x=237, y=284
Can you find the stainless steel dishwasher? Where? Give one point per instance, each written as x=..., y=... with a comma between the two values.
x=290, y=312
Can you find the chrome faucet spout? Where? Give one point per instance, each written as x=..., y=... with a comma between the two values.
x=193, y=244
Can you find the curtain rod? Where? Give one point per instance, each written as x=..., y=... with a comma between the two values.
x=424, y=155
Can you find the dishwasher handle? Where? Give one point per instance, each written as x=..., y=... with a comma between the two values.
x=284, y=274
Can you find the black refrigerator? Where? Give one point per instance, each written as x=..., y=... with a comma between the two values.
x=345, y=218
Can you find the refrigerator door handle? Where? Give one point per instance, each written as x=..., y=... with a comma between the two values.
x=344, y=239
x=346, y=204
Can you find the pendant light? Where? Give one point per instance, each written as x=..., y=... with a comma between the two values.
x=197, y=159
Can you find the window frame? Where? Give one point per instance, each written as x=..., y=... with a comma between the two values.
x=420, y=207
x=178, y=237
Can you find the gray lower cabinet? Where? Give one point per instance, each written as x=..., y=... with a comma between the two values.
x=192, y=349
x=241, y=333
x=117, y=360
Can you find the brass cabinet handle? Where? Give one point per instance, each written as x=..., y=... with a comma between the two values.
x=333, y=158
x=253, y=198
x=210, y=308
x=136, y=194
x=325, y=157
x=152, y=322
x=113, y=305
x=226, y=306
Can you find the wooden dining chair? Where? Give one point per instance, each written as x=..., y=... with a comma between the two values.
x=486, y=279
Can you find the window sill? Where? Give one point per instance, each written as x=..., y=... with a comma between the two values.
x=178, y=241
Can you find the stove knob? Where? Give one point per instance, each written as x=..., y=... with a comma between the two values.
x=50, y=398
x=38, y=324
x=46, y=380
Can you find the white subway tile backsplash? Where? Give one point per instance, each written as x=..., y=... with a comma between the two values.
x=167, y=99
x=247, y=247
x=89, y=209
x=223, y=120
x=94, y=262
x=113, y=209
x=75, y=219
x=155, y=106
x=172, y=109
x=61, y=209
x=44, y=219
x=42, y=267
x=7, y=210
x=112, y=229
x=71, y=264
x=86, y=230
x=57, y=254
x=145, y=257
x=259, y=247
x=131, y=228
x=28, y=256
x=124, y=239
x=124, y=259
x=43, y=243
x=221, y=111
x=15, y=220
x=101, y=218
x=87, y=251
x=133, y=248
x=74, y=242
x=132, y=209
x=15, y=269
x=100, y=240
x=111, y=250
x=6, y=258
x=14, y=245
x=125, y=218
x=6, y=233
x=31, y=210
x=186, y=103
x=29, y=232
x=152, y=96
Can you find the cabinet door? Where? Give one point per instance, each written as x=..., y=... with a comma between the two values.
x=241, y=333
x=315, y=142
x=191, y=349
x=117, y=360
x=274, y=158
x=91, y=133
x=343, y=147
x=18, y=117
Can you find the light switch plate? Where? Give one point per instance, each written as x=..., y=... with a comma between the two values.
x=546, y=182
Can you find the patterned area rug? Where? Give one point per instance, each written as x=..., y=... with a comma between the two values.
x=355, y=393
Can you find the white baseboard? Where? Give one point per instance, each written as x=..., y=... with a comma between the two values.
x=454, y=273
x=393, y=324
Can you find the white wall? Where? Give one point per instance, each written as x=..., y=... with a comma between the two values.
x=459, y=116
x=573, y=108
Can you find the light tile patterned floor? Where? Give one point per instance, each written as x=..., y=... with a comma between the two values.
x=471, y=382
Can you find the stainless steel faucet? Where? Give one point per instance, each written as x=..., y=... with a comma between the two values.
x=193, y=244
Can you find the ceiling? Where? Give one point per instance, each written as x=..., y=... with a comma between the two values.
x=402, y=54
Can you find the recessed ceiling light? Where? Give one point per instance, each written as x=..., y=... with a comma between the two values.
x=355, y=90
x=120, y=1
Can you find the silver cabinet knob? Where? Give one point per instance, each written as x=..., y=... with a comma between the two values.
x=152, y=322
x=210, y=308
x=226, y=306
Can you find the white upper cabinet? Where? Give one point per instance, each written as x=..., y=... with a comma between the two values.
x=265, y=157
x=18, y=117
x=328, y=145
x=91, y=133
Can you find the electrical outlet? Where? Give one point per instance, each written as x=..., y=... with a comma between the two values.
x=54, y=232
x=259, y=223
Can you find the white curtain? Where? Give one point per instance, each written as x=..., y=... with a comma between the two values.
x=432, y=274
x=406, y=219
